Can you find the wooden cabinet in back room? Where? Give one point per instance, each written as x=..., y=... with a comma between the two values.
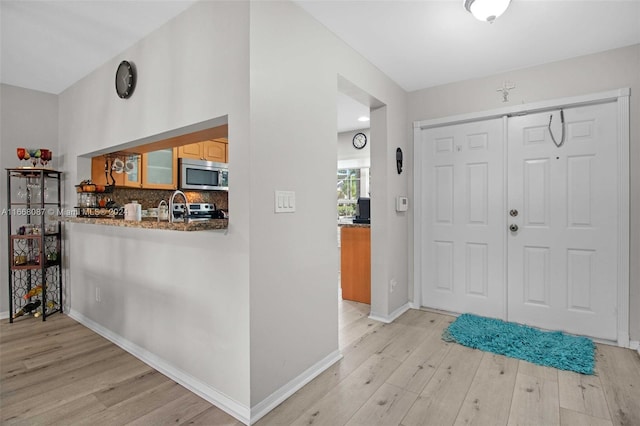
x=355, y=263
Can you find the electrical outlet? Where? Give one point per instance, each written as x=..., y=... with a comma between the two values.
x=392, y=285
x=98, y=295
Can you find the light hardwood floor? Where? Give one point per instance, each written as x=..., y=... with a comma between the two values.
x=60, y=373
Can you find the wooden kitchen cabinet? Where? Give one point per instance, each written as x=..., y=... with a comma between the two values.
x=193, y=150
x=152, y=170
x=97, y=171
x=355, y=263
x=132, y=180
x=160, y=169
x=210, y=150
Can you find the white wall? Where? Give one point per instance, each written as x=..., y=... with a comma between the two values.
x=246, y=311
x=27, y=119
x=350, y=157
x=294, y=264
x=181, y=296
x=588, y=74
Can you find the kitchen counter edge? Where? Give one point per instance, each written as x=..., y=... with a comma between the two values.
x=354, y=225
x=152, y=224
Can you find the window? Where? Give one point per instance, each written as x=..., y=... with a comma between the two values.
x=352, y=184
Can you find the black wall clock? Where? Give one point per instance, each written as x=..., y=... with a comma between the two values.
x=125, y=79
x=359, y=140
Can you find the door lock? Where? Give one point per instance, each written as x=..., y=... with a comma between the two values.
x=513, y=213
x=513, y=227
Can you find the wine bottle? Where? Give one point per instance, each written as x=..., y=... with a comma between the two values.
x=27, y=308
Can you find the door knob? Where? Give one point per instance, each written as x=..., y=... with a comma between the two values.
x=513, y=213
x=513, y=227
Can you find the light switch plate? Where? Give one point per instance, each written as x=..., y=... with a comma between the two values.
x=285, y=201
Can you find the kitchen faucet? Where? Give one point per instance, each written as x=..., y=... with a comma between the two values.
x=186, y=206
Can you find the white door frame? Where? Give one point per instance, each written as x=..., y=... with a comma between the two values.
x=621, y=96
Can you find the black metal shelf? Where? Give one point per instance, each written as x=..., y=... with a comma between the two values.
x=35, y=243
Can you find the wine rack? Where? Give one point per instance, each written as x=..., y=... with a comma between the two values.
x=35, y=242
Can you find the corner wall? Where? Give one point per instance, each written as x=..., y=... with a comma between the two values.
x=599, y=72
x=247, y=312
x=28, y=118
x=295, y=66
x=181, y=297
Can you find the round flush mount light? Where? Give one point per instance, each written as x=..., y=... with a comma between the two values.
x=486, y=10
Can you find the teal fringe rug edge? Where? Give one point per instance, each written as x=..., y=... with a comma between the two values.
x=548, y=348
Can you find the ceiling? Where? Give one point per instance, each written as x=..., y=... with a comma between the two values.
x=428, y=43
x=49, y=45
x=349, y=112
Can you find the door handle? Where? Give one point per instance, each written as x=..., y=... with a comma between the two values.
x=513, y=227
x=513, y=213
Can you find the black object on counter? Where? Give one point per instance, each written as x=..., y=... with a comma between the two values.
x=363, y=210
x=220, y=214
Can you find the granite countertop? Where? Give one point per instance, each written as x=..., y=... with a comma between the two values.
x=152, y=223
x=354, y=225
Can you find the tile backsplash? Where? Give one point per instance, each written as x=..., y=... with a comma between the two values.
x=150, y=198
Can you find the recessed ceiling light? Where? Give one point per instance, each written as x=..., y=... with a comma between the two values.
x=363, y=118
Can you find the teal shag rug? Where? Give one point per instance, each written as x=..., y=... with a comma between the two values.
x=549, y=348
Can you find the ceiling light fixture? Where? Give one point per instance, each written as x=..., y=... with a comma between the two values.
x=486, y=10
x=363, y=118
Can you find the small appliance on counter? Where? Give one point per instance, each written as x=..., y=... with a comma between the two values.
x=197, y=211
x=133, y=211
x=363, y=210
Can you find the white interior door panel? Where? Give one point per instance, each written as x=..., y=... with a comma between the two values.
x=463, y=246
x=562, y=269
x=558, y=267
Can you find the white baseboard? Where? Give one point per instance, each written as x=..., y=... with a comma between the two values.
x=414, y=305
x=623, y=340
x=4, y=315
x=272, y=401
x=220, y=400
x=635, y=345
x=392, y=316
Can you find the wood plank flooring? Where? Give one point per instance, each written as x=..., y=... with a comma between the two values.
x=61, y=373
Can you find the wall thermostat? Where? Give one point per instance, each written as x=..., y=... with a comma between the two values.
x=402, y=204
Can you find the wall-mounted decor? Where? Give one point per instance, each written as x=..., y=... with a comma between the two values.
x=359, y=140
x=125, y=79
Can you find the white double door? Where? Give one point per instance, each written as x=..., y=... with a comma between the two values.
x=517, y=228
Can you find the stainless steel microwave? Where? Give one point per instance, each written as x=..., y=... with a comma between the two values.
x=202, y=175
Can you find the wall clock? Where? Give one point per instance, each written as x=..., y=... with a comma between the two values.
x=359, y=140
x=125, y=79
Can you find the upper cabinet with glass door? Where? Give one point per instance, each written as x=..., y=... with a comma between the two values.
x=160, y=169
x=151, y=170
